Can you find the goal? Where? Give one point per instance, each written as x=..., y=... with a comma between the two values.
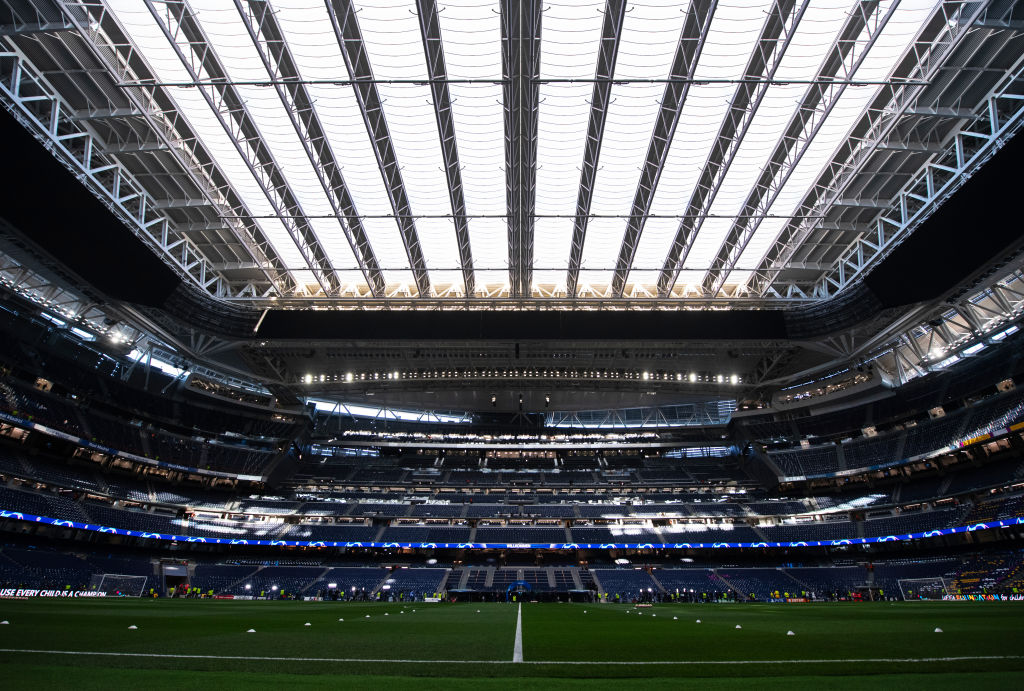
x=925, y=588
x=117, y=584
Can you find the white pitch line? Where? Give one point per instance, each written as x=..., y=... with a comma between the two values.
x=591, y=663
x=517, y=649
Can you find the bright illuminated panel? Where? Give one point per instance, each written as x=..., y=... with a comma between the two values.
x=604, y=236
x=307, y=29
x=441, y=252
x=570, y=39
x=571, y=36
x=489, y=237
x=650, y=34
x=899, y=33
x=471, y=32
x=394, y=47
x=552, y=239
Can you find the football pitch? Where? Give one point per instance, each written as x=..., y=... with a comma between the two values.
x=207, y=644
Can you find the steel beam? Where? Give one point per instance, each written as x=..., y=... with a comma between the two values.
x=877, y=130
x=520, y=59
x=40, y=111
x=684, y=64
x=863, y=26
x=110, y=47
x=933, y=184
x=268, y=38
x=353, y=50
x=776, y=35
x=433, y=49
x=183, y=32
x=611, y=32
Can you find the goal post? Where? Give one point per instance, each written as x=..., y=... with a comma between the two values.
x=118, y=584
x=925, y=588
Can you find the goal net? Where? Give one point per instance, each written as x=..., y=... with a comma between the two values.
x=118, y=585
x=925, y=588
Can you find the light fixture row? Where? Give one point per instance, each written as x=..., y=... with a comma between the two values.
x=528, y=373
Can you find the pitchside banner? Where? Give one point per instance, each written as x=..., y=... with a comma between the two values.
x=1005, y=523
x=31, y=592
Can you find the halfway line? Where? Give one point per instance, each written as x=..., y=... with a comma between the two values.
x=517, y=649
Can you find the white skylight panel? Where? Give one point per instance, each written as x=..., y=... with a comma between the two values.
x=389, y=250
x=650, y=34
x=627, y=135
x=310, y=36
x=562, y=132
x=391, y=35
x=440, y=251
x=339, y=251
x=601, y=249
x=413, y=126
x=734, y=30
x=307, y=29
x=698, y=125
x=552, y=243
x=570, y=39
x=489, y=239
x=472, y=44
x=659, y=232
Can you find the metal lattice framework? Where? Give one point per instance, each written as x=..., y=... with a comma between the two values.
x=375, y=154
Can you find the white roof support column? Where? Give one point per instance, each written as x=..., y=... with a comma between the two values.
x=520, y=53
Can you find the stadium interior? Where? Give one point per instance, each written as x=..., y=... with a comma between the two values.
x=581, y=301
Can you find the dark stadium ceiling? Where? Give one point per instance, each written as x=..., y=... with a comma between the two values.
x=573, y=155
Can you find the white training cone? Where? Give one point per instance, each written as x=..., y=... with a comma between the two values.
x=133, y=627
x=251, y=631
x=4, y=622
x=478, y=611
x=385, y=614
x=790, y=633
x=367, y=616
x=698, y=621
x=675, y=618
x=654, y=615
x=938, y=630
x=341, y=620
x=307, y=624
x=738, y=626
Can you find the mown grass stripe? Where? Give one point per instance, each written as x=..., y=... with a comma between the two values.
x=261, y=658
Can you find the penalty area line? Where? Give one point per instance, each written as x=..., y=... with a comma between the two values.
x=259, y=658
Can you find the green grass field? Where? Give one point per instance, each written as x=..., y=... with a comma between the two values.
x=204, y=644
